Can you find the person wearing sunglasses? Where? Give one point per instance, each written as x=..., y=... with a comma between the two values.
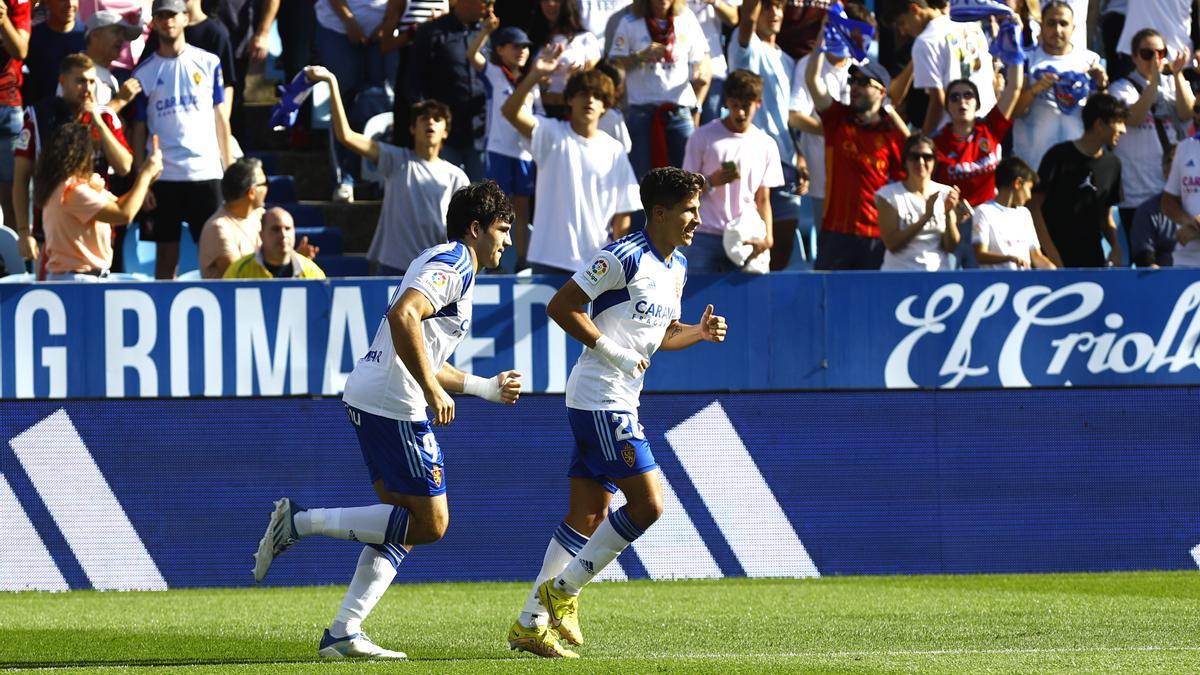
x=918, y=218
x=1160, y=106
x=1047, y=114
x=1173, y=18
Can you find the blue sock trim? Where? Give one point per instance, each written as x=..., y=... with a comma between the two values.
x=393, y=553
x=571, y=540
x=397, y=527
x=624, y=526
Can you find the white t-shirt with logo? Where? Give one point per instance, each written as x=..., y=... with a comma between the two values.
x=635, y=295
x=813, y=145
x=1045, y=124
x=581, y=184
x=380, y=383
x=946, y=51
x=1171, y=18
x=177, y=103
x=757, y=159
x=661, y=82
x=1005, y=231
x=502, y=137
x=924, y=251
x=1139, y=149
x=1184, y=182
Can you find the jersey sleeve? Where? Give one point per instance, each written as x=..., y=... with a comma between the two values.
x=439, y=283
x=218, y=85
x=113, y=122
x=26, y=143
x=543, y=139
x=928, y=61
x=981, y=228
x=602, y=273
x=1174, y=184
x=139, y=106
x=621, y=45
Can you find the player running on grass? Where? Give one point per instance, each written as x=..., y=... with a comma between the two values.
x=386, y=395
x=634, y=286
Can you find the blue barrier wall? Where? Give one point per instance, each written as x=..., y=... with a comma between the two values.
x=169, y=493
x=788, y=331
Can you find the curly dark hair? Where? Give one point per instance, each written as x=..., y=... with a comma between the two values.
x=667, y=186
x=68, y=153
x=483, y=203
x=569, y=23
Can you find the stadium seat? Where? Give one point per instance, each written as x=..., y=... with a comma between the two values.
x=342, y=265
x=191, y=275
x=140, y=255
x=269, y=164
x=282, y=189
x=375, y=129
x=9, y=252
x=22, y=278
x=328, y=238
x=305, y=215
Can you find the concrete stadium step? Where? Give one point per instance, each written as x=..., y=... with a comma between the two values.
x=311, y=171
x=357, y=221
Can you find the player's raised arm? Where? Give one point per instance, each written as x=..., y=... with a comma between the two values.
x=711, y=328
x=404, y=321
x=566, y=308
x=504, y=387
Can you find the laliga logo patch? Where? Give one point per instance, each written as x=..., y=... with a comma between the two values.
x=596, y=271
x=436, y=472
x=628, y=454
x=438, y=278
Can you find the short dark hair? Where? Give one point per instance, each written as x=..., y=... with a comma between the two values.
x=667, y=186
x=614, y=72
x=72, y=61
x=888, y=11
x=859, y=12
x=239, y=178
x=742, y=85
x=482, y=203
x=591, y=82
x=1011, y=168
x=966, y=83
x=1103, y=108
x=1055, y=4
x=917, y=138
x=1142, y=35
x=432, y=109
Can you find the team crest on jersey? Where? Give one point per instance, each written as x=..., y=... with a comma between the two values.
x=196, y=77
x=985, y=145
x=438, y=278
x=596, y=271
x=628, y=454
x=436, y=473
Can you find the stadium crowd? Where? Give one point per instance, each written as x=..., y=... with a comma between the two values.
x=910, y=134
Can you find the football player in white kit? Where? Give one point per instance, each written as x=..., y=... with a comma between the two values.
x=386, y=395
x=634, y=287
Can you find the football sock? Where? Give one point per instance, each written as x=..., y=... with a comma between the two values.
x=379, y=524
x=563, y=547
x=377, y=565
x=613, y=536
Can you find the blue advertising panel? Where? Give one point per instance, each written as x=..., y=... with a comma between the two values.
x=173, y=493
x=787, y=332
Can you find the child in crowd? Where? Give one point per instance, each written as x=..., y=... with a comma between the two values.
x=1005, y=238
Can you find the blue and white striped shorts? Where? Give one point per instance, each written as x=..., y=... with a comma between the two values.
x=404, y=455
x=609, y=444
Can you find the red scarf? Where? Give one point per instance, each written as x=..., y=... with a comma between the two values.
x=664, y=35
x=512, y=77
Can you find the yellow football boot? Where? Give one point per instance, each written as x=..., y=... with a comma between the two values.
x=539, y=641
x=564, y=612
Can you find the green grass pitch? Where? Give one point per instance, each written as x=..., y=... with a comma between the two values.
x=1129, y=622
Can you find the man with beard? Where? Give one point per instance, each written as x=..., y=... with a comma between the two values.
x=862, y=150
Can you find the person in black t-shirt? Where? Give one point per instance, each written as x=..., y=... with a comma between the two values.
x=1079, y=182
x=61, y=34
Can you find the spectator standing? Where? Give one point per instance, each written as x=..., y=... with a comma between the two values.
x=277, y=258
x=180, y=103
x=43, y=120
x=968, y=148
x=209, y=34
x=418, y=183
x=1172, y=18
x=943, y=51
x=1046, y=113
x=585, y=184
x=1079, y=182
x=1153, y=237
x=132, y=12
x=439, y=69
x=106, y=35
x=863, y=149
x=665, y=56
x=740, y=164
x=79, y=212
x=1181, y=202
x=918, y=222
x=233, y=231
x=248, y=23
x=557, y=22
x=15, y=23
x=60, y=34
x=349, y=34
x=1112, y=23
x=509, y=164
x=715, y=16
x=596, y=13
x=1160, y=106
x=1004, y=235
x=754, y=49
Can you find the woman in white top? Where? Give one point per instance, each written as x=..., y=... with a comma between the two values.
x=918, y=222
x=665, y=56
x=557, y=22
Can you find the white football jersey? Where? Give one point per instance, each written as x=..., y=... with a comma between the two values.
x=635, y=295
x=379, y=383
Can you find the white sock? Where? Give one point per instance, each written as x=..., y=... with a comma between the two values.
x=382, y=523
x=615, y=534
x=559, y=553
x=377, y=566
